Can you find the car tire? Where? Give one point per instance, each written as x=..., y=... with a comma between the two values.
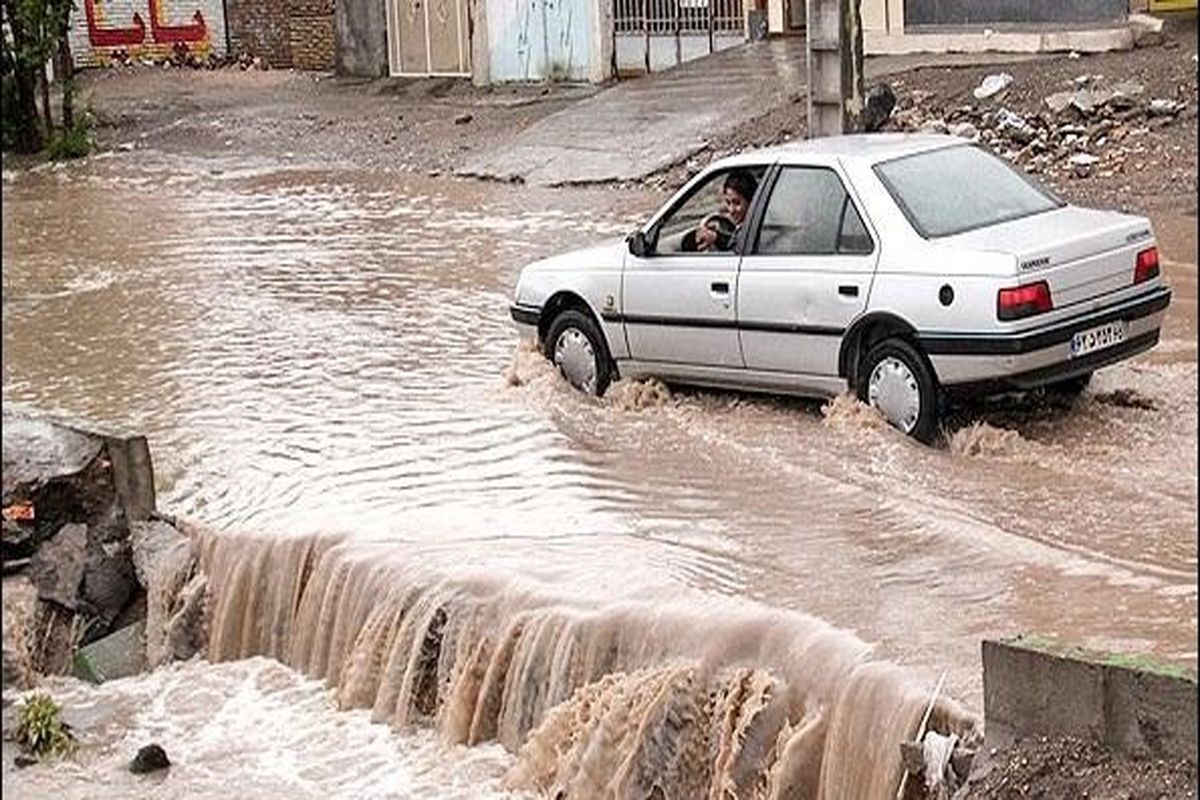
x=896, y=379
x=576, y=346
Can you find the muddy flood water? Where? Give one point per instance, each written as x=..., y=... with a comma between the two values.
x=407, y=505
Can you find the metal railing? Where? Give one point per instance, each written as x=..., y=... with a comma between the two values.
x=676, y=18
x=665, y=17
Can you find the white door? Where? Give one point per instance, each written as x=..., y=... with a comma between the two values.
x=679, y=309
x=680, y=305
x=428, y=37
x=806, y=275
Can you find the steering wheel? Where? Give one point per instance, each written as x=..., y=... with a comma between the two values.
x=723, y=226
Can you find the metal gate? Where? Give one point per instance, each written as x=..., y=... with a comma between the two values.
x=687, y=23
x=428, y=38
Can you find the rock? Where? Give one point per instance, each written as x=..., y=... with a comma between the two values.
x=1128, y=88
x=1082, y=164
x=109, y=580
x=933, y=126
x=167, y=562
x=880, y=102
x=57, y=568
x=963, y=129
x=1147, y=30
x=23, y=760
x=1059, y=101
x=150, y=758
x=1088, y=100
x=463, y=119
x=992, y=85
x=1015, y=127
x=14, y=674
x=118, y=655
x=1164, y=108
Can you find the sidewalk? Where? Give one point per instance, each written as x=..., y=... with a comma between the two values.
x=644, y=125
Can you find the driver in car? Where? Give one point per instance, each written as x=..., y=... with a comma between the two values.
x=719, y=231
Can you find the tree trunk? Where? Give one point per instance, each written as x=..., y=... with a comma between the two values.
x=28, y=135
x=48, y=115
x=66, y=71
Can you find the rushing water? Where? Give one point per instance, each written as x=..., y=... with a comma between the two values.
x=316, y=353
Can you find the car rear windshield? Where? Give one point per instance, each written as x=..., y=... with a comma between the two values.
x=957, y=189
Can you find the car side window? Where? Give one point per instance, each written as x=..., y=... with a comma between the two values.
x=705, y=201
x=810, y=213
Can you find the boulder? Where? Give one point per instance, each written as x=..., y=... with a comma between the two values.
x=150, y=758
x=117, y=655
x=57, y=568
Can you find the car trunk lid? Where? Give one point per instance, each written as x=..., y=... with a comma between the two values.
x=1081, y=253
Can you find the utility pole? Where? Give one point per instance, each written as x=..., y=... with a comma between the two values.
x=835, y=66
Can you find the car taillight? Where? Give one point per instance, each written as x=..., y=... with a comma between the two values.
x=1147, y=265
x=1023, y=301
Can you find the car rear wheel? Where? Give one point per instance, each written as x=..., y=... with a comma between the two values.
x=576, y=346
x=897, y=380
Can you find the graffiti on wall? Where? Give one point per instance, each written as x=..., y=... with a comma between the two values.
x=117, y=30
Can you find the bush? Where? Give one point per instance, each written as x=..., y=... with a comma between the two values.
x=40, y=729
x=73, y=142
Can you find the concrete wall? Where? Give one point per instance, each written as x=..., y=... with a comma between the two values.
x=104, y=30
x=361, y=36
x=631, y=50
x=978, y=12
x=1035, y=689
x=545, y=39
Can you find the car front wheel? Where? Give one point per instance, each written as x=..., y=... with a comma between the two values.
x=896, y=379
x=576, y=346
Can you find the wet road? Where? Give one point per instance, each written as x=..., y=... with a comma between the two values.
x=309, y=350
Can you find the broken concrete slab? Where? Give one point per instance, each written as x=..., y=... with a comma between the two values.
x=39, y=448
x=167, y=565
x=1040, y=687
x=57, y=568
x=1147, y=30
x=117, y=655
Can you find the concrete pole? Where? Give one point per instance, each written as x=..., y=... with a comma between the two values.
x=835, y=66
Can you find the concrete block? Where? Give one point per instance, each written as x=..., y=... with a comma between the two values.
x=1150, y=714
x=1027, y=691
x=117, y=655
x=1037, y=687
x=1147, y=30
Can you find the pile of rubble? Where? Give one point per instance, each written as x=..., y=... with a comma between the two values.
x=116, y=588
x=1093, y=127
x=182, y=58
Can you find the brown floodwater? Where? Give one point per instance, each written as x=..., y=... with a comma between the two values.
x=325, y=368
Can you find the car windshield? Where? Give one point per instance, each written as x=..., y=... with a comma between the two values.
x=957, y=189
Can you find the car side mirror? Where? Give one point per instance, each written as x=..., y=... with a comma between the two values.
x=637, y=244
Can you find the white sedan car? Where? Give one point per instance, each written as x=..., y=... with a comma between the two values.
x=901, y=267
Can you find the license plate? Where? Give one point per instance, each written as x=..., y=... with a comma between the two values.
x=1098, y=338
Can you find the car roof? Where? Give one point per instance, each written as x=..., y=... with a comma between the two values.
x=870, y=148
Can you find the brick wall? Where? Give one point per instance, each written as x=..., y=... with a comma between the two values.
x=261, y=28
x=312, y=37
x=284, y=33
x=106, y=30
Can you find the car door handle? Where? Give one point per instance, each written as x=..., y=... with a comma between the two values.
x=720, y=287
x=848, y=291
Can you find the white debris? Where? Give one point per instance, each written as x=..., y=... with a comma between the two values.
x=1164, y=108
x=992, y=85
